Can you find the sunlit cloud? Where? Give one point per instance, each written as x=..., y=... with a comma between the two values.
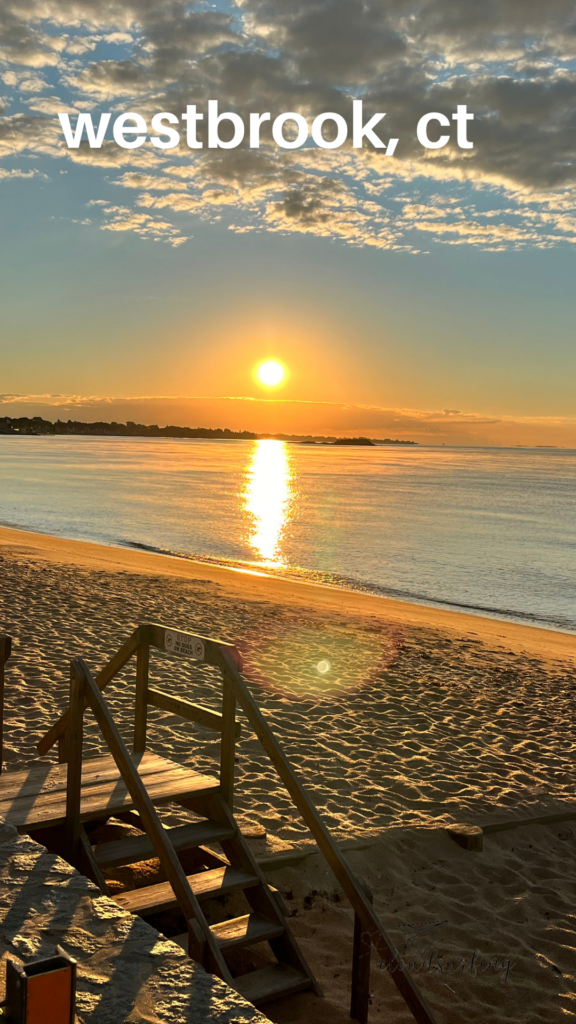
x=305, y=418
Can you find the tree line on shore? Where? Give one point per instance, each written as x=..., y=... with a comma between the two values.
x=36, y=425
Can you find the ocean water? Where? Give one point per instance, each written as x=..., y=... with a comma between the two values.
x=492, y=531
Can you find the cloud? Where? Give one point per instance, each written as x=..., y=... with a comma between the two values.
x=121, y=218
x=511, y=63
x=448, y=426
x=18, y=172
x=337, y=40
x=24, y=44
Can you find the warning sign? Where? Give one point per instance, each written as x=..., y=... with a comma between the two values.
x=183, y=643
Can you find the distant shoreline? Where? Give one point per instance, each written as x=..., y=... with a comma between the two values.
x=36, y=426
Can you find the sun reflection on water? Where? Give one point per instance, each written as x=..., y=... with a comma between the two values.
x=268, y=496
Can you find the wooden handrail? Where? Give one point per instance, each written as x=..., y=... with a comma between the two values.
x=5, y=652
x=151, y=822
x=114, y=666
x=371, y=924
x=191, y=712
x=146, y=634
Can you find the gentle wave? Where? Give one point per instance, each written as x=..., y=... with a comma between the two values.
x=332, y=579
x=487, y=531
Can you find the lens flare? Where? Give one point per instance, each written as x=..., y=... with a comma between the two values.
x=309, y=662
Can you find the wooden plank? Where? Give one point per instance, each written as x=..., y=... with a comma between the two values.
x=141, y=709
x=205, y=885
x=228, y=745
x=191, y=712
x=46, y=810
x=545, y=819
x=193, y=645
x=49, y=776
x=5, y=652
x=211, y=859
x=177, y=780
x=161, y=790
x=52, y=778
x=371, y=924
x=183, y=837
x=271, y=983
x=245, y=931
x=74, y=767
x=111, y=669
x=142, y=801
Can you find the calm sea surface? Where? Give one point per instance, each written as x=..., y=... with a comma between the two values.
x=488, y=530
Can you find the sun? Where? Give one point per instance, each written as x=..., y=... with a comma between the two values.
x=271, y=373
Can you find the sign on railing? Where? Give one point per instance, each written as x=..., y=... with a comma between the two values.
x=183, y=643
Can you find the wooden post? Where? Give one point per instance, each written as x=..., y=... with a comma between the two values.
x=74, y=774
x=362, y=949
x=228, y=744
x=62, y=752
x=141, y=712
x=5, y=652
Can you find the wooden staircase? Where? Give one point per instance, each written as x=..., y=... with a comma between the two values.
x=137, y=782
x=234, y=870
x=56, y=805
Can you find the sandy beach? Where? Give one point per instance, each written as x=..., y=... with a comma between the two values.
x=422, y=717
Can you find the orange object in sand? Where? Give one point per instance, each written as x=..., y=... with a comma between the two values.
x=43, y=992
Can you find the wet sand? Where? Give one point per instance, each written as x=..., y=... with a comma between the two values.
x=423, y=717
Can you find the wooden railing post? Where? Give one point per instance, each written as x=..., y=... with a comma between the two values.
x=361, y=951
x=74, y=753
x=141, y=712
x=228, y=743
x=5, y=652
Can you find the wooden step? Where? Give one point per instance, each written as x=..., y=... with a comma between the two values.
x=271, y=983
x=135, y=848
x=152, y=899
x=245, y=931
